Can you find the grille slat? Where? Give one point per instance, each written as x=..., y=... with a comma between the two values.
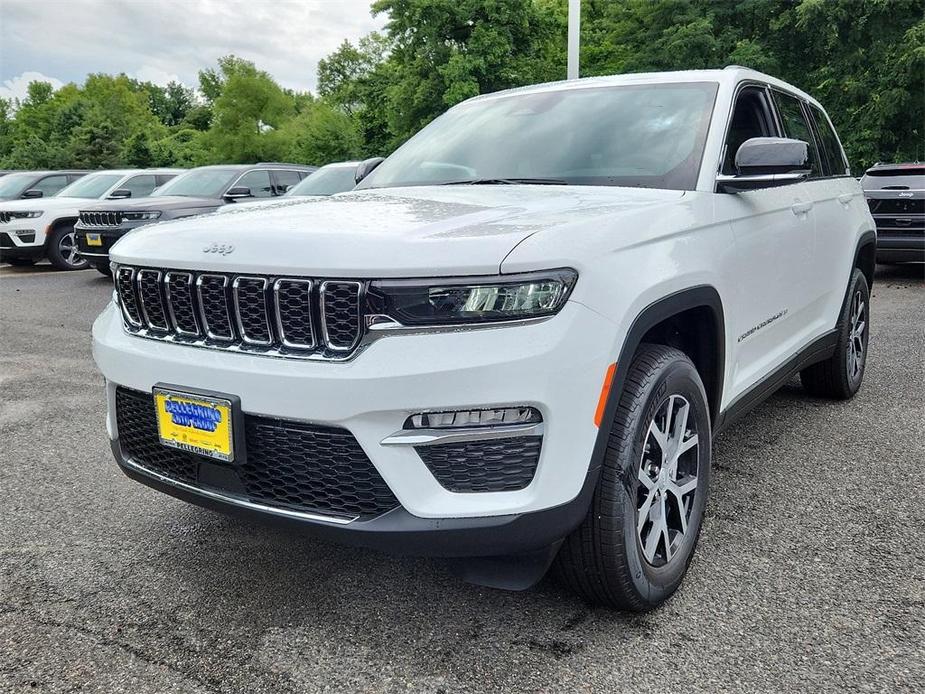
x=178, y=286
x=250, y=303
x=340, y=314
x=284, y=316
x=151, y=300
x=125, y=288
x=213, y=301
x=293, y=300
x=290, y=465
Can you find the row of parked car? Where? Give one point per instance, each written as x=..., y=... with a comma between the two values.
x=74, y=217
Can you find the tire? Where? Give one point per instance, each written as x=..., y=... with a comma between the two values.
x=840, y=376
x=20, y=262
x=62, y=248
x=610, y=559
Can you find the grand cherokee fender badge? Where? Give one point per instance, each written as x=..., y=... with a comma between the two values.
x=222, y=248
x=762, y=324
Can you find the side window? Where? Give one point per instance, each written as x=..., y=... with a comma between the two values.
x=73, y=177
x=796, y=127
x=751, y=117
x=828, y=143
x=140, y=185
x=258, y=181
x=50, y=184
x=163, y=178
x=285, y=180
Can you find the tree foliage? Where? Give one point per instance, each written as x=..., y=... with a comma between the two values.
x=863, y=59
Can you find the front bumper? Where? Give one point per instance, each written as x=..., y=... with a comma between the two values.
x=21, y=243
x=555, y=366
x=97, y=255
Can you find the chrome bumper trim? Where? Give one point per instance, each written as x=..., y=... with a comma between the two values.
x=235, y=501
x=434, y=437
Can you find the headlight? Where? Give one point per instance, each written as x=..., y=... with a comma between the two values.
x=140, y=216
x=466, y=300
x=24, y=215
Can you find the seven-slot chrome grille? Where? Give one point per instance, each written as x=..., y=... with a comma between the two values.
x=277, y=316
x=101, y=219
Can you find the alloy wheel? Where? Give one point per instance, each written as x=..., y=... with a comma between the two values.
x=67, y=247
x=667, y=481
x=856, y=346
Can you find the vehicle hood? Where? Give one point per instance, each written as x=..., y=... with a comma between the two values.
x=267, y=203
x=159, y=202
x=49, y=204
x=394, y=232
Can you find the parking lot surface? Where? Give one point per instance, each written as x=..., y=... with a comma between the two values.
x=809, y=575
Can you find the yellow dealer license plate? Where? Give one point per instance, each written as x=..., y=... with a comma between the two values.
x=194, y=423
x=94, y=240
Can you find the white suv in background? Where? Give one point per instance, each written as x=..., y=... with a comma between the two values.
x=44, y=227
x=513, y=344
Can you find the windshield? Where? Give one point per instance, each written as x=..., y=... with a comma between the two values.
x=636, y=135
x=199, y=183
x=91, y=186
x=326, y=181
x=13, y=184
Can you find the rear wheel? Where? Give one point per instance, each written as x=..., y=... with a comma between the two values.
x=62, y=250
x=634, y=547
x=840, y=375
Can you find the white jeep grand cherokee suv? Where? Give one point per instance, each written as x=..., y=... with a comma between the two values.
x=513, y=344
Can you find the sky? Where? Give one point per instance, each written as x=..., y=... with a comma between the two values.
x=62, y=41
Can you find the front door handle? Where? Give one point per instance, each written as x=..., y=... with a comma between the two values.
x=846, y=198
x=801, y=207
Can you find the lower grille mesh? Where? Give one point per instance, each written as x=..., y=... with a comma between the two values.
x=289, y=465
x=501, y=465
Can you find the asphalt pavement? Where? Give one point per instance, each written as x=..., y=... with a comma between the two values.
x=809, y=576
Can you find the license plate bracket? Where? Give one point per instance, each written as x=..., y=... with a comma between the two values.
x=202, y=422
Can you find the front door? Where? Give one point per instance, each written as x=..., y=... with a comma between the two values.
x=773, y=231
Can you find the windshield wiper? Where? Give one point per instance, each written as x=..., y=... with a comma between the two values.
x=506, y=182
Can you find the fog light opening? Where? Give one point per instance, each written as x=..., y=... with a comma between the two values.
x=489, y=417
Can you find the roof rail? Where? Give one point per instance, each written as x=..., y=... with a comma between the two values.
x=279, y=163
x=735, y=67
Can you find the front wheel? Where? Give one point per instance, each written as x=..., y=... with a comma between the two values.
x=634, y=546
x=62, y=250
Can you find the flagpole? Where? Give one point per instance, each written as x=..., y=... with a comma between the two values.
x=574, y=24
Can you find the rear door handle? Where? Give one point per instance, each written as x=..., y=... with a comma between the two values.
x=846, y=198
x=801, y=207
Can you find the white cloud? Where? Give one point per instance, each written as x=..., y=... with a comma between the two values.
x=155, y=75
x=174, y=39
x=16, y=87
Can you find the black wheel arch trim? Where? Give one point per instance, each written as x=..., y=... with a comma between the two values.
x=868, y=238
x=699, y=296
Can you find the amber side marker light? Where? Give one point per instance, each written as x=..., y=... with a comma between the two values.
x=605, y=393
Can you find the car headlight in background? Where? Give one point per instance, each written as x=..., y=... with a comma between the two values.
x=24, y=215
x=141, y=216
x=471, y=300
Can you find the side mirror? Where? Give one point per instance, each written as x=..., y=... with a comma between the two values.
x=766, y=162
x=120, y=193
x=32, y=193
x=238, y=192
x=365, y=168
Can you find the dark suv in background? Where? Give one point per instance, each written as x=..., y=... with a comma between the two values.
x=198, y=191
x=896, y=196
x=18, y=185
